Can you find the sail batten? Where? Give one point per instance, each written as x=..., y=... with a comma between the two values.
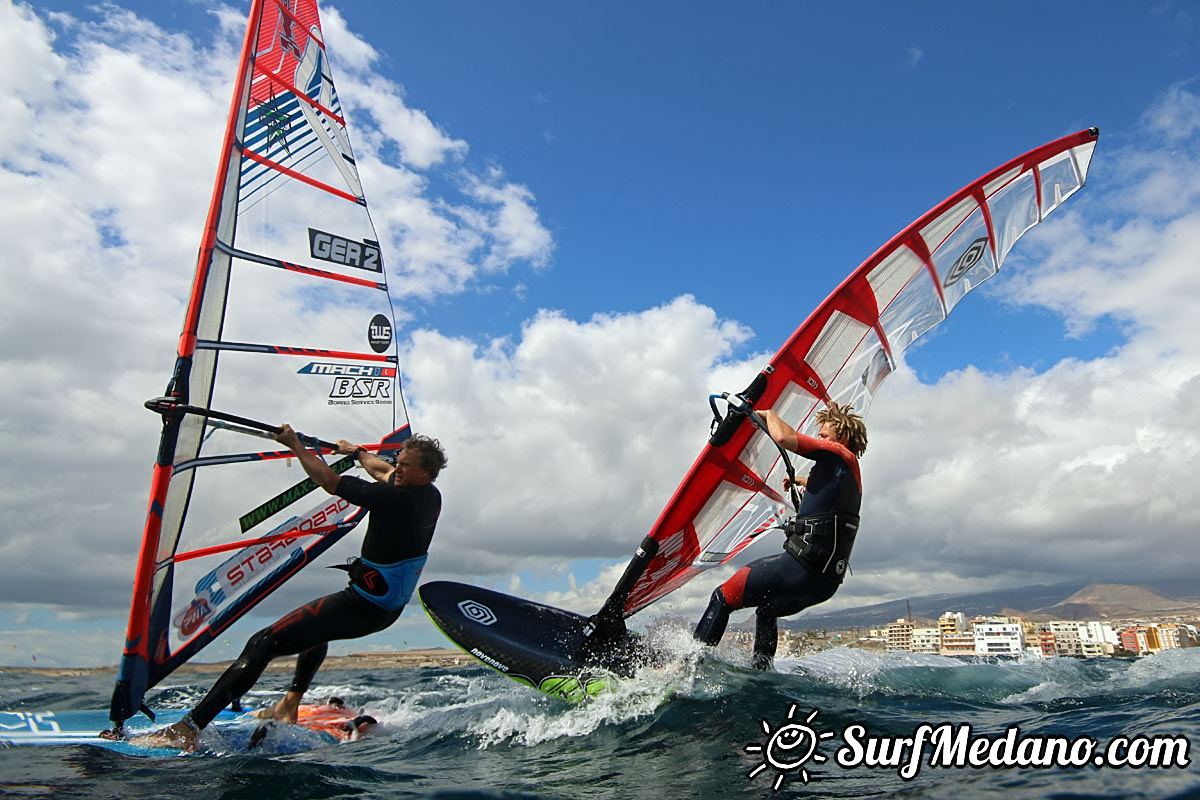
x=288, y=196
x=312, y=272
x=286, y=350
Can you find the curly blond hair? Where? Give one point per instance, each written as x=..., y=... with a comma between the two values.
x=847, y=426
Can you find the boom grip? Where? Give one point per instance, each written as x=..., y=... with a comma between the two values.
x=732, y=422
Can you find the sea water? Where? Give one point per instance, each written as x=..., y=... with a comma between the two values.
x=839, y=724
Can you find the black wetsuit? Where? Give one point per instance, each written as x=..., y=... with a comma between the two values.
x=780, y=585
x=400, y=528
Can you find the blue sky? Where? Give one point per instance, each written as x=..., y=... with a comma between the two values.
x=706, y=177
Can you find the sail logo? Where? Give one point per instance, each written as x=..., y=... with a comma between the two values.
x=379, y=333
x=251, y=564
x=352, y=370
x=375, y=388
x=189, y=620
x=477, y=612
x=256, y=560
x=347, y=252
x=354, y=383
x=970, y=257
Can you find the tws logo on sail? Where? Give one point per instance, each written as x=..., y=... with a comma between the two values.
x=355, y=384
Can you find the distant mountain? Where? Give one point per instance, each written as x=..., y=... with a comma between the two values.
x=1037, y=602
x=1112, y=601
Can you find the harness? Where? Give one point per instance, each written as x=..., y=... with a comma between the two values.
x=822, y=542
x=389, y=586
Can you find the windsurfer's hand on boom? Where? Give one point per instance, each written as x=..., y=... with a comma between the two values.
x=317, y=469
x=288, y=438
x=375, y=466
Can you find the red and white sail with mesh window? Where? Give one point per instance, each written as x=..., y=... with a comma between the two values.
x=844, y=351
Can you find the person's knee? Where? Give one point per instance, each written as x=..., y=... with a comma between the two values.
x=711, y=627
x=261, y=646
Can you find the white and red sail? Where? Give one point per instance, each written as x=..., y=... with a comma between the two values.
x=842, y=353
x=288, y=318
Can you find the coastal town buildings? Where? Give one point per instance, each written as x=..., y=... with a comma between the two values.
x=997, y=636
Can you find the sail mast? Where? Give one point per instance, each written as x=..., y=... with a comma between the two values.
x=133, y=674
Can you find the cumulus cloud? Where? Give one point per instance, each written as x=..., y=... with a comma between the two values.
x=567, y=442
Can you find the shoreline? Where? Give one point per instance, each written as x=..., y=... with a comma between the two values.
x=400, y=659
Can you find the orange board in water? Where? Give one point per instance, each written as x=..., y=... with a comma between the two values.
x=335, y=720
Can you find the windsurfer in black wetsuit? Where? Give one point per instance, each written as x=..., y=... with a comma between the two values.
x=404, y=506
x=817, y=549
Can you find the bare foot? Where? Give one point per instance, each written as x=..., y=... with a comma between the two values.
x=286, y=710
x=179, y=735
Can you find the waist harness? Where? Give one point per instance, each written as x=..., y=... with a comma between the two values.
x=822, y=542
x=388, y=586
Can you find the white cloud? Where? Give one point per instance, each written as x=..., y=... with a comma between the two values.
x=566, y=443
x=1176, y=115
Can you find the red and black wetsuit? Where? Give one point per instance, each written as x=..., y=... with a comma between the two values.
x=782, y=585
x=400, y=528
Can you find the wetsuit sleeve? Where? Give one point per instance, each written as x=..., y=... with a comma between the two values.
x=809, y=446
x=814, y=448
x=368, y=494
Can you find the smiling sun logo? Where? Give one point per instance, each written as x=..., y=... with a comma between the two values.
x=789, y=748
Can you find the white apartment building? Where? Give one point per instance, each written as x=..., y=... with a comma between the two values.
x=927, y=640
x=999, y=638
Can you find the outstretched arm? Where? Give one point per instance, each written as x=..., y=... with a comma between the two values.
x=375, y=466
x=317, y=469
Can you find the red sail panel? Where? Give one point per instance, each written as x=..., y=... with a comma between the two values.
x=848, y=346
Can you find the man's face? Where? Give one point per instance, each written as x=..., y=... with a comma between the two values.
x=828, y=433
x=408, y=471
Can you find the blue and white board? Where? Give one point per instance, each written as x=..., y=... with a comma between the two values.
x=43, y=728
x=533, y=644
